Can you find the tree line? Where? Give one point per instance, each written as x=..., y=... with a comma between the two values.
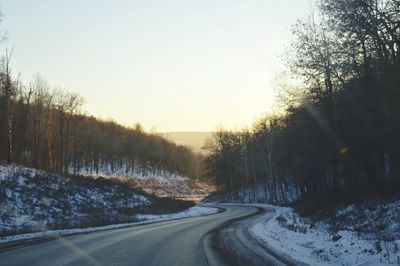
x=47, y=129
x=339, y=133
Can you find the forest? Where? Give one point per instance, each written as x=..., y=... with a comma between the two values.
x=337, y=134
x=47, y=129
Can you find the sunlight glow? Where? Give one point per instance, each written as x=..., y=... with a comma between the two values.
x=170, y=65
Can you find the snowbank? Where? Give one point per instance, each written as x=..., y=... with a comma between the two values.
x=144, y=219
x=320, y=243
x=36, y=201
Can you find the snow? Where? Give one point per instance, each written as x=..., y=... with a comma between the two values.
x=164, y=177
x=31, y=200
x=35, y=203
x=313, y=243
x=144, y=219
x=258, y=194
x=158, y=182
x=191, y=212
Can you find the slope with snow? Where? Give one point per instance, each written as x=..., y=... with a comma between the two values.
x=360, y=234
x=143, y=219
x=33, y=200
x=159, y=183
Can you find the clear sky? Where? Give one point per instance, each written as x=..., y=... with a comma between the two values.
x=170, y=65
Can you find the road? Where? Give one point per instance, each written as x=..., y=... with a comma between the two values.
x=179, y=242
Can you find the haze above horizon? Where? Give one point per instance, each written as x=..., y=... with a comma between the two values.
x=171, y=66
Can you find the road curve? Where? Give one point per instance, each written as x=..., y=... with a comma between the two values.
x=178, y=242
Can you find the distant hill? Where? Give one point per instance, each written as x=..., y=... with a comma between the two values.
x=195, y=140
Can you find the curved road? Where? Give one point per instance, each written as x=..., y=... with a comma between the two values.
x=179, y=242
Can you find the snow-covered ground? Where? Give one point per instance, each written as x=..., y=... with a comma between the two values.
x=364, y=234
x=159, y=183
x=191, y=212
x=258, y=194
x=143, y=219
x=34, y=201
x=125, y=171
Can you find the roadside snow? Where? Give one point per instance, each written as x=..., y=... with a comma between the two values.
x=316, y=243
x=31, y=200
x=144, y=219
x=35, y=201
x=191, y=212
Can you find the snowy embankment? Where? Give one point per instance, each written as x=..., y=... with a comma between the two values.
x=283, y=195
x=34, y=201
x=362, y=234
x=144, y=219
x=159, y=183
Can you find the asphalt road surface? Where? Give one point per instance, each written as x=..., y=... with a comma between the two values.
x=179, y=242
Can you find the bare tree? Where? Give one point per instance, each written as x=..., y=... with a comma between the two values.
x=9, y=93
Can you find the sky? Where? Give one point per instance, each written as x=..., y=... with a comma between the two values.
x=169, y=65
